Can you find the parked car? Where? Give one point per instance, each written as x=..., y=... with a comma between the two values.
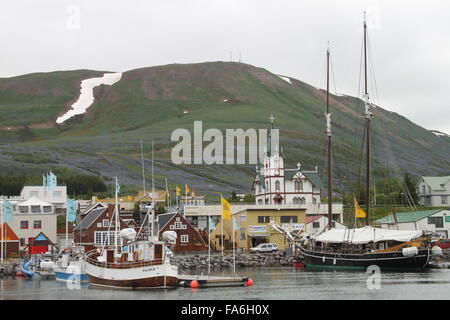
x=265, y=247
x=443, y=244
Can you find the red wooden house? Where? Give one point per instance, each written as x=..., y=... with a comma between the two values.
x=188, y=238
x=97, y=228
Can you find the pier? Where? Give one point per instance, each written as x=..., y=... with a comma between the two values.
x=200, y=281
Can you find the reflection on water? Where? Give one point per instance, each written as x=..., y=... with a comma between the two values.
x=280, y=283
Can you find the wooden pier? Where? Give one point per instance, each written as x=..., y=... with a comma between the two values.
x=200, y=281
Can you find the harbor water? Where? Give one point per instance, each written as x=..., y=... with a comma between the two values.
x=270, y=283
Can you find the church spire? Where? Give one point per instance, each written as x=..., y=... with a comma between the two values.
x=269, y=144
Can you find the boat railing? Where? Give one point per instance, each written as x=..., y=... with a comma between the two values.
x=122, y=265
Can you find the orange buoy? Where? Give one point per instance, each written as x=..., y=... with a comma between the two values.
x=249, y=282
x=194, y=284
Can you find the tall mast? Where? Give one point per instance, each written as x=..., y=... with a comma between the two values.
x=368, y=116
x=142, y=162
x=328, y=132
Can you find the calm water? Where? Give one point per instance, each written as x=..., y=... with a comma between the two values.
x=281, y=283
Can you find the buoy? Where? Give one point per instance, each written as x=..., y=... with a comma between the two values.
x=249, y=282
x=194, y=284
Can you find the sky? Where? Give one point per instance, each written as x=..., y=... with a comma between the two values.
x=409, y=40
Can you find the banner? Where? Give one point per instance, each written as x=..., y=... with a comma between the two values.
x=226, y=209
x=72, y=207
x=7, y=211
x=212, y=225
x=359, y=213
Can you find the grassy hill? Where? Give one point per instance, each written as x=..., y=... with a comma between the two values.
x=149, y=103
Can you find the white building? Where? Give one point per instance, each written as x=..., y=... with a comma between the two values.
x=31, y=217
x=315, y=225
x=276, y=185
x=434, y=191
x=430, y=220
x=56, y=196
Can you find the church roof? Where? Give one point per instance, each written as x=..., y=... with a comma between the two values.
x=314, y=178
x=311, y=176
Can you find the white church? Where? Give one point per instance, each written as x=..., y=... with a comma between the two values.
x=276, y=185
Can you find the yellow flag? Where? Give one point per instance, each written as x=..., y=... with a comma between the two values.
x=359, y=213
x=187, y=188
x=226, y=209
x=178, y=191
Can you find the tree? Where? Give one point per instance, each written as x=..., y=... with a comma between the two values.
x=412, y=185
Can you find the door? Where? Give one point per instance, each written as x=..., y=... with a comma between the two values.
x=158, y=251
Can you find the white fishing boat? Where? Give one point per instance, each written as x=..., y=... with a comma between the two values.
x=136, y=260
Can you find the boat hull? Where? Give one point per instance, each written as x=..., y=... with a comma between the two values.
x=145, y=277
x=70, y=277
x=385, y=261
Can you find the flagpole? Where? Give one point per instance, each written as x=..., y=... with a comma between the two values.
x=234, y=254
x=209, y=243
x=3, y=227
x=222, y=235
x=67, y=225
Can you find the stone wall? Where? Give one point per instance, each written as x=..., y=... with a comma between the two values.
x=242, y=260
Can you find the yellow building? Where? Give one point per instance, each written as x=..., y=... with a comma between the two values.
x=254, y=227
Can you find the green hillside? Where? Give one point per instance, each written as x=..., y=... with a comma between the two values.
x=149, y=103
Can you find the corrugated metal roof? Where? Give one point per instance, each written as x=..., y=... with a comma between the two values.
x=436, y=183
x=403, y=217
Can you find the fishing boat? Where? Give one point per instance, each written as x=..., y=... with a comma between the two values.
x=360, y=248
x=71, y=266
x=135, y=261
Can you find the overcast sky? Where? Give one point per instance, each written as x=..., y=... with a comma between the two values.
x=410, y=41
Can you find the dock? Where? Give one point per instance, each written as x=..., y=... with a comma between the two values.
x=213, y=281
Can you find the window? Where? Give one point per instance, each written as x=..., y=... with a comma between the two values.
x=437, y=221
x=105, y=238
x=178, y=225
x=298, y=185
x=302, y=201
x=57, y=194
x=34, y=194
x=277, y=185
x=263, y=219
x=289, y=219
x=37, y=224
x=314, y=200
x=23, y=209
x=316, y=225
x=444, y=199
x=35, y=209
x=47, y=209
x=105, y=223
x=260, y=201
x=184, y=238
x=23, y=224
x=22, y=241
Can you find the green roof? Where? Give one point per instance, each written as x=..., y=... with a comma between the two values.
x=408, y=216
x=436, y=183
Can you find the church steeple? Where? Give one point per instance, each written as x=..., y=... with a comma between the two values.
x=269, y=139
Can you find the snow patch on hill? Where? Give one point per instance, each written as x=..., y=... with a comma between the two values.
x=440, y=134
x=86, y=98
x=287, y=79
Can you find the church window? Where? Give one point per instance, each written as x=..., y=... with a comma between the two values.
x=277, y=185
x=298, y=185
x=302, y=201
x=314, y=200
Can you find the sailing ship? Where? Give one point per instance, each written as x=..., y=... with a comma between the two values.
x=135, y=261
x=363, y=247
